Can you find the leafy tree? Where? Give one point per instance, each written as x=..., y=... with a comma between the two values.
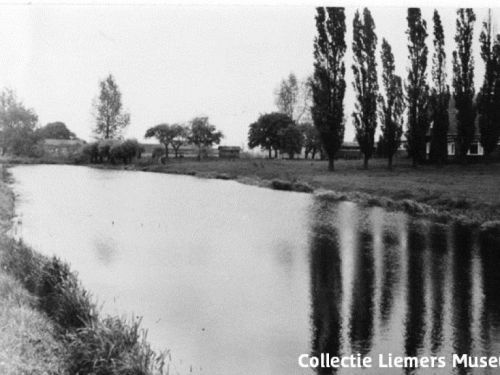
x=489, y=96
x=417, y=90
x=55, y=130
x=328, y=84
x=463, y=80
x=365, y=82
x=17, y=125
x=181, y=137
x=291, y=140
x=203, y=134
x=124, y=151
x=312, y=142
x=109, y=115
x=293, y=98
x=266, y=131
x=440, y=96
x=391, y=107
x=174, y=135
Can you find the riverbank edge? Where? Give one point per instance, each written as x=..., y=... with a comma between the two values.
x=78, y=339
x=409, y=206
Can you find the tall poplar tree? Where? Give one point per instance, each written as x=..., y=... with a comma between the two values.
x=392, y=106
x=489, y=96
x=417, y=90
x=365, y=82
x=328, y=83
x=463, y=80
x=440, y=96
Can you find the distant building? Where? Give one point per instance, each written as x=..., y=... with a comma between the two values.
x=475, y=149
x=62, y=147
x=349, y=150
x=229, y=152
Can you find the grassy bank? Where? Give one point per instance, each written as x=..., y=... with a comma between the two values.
x=464, y=191
x=49, y=322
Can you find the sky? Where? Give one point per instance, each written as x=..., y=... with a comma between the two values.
x=175, y=62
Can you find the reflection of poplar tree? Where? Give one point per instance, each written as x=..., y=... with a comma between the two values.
x=365, y=83
x=328, y=84
x=326, y=291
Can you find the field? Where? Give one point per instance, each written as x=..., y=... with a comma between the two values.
x=471, y=189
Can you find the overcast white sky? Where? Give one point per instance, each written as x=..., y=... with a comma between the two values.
x=174, y=62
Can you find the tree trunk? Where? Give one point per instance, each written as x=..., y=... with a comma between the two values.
x=331, y=166
x=270, y=154
x=365, y=162
x=276, y=153
x=389, y=162
x=166, y=150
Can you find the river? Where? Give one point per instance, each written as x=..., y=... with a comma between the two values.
x=236, y=279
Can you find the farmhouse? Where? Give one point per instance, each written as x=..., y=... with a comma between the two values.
x=229, y=152
x=476, y=150
x=62, y=147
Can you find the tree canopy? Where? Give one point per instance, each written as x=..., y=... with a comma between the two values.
x=174, y=135
x=55, y=130
x=266, y=131
x=109, y=115
x=203, y=134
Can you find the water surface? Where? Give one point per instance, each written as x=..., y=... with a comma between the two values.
x=235, y=279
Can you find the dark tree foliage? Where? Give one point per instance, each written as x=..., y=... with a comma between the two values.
x=391, y=107
x=17, y=126
x=55, y=130
x=312, y=142
x=203, y=134
x=417, y=90
x=328, y=84
x=108, y=111
x=291, y=140
x=440, y=96
x=365, y=82
x=265, y=132
x=463, y=80
x=169, y=135
x=488, y=101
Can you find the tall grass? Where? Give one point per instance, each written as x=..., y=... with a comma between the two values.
x=93, y=345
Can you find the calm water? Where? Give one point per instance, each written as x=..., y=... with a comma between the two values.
x=235, y=279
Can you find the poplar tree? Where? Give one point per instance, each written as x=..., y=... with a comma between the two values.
x=392, y=106
x=463, y=80
x=328, y=83
x=417, y=90
x=440, y=96
x=365, y=82
x=489, y=95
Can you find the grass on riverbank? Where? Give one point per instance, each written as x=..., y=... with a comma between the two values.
x=462, y=190
x=50, y=324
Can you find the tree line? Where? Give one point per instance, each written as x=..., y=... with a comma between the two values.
x=424, y=106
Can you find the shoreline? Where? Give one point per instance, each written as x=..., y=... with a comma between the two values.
x=54, y=321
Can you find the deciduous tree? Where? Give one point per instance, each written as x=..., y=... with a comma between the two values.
x=417, y=90
x=203, y=134
x=168, y=135
x=55, y=130
x=109, y=115
x=489, y=96
x=463, y=80
x=391, y=107
x=17, y=125
x=440, y=96
x=328, y=83
x=365, y=82
x=265, y=132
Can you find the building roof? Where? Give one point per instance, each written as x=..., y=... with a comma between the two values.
x=63, y=142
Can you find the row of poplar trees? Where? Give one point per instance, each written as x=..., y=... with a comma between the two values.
x=423, y=105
